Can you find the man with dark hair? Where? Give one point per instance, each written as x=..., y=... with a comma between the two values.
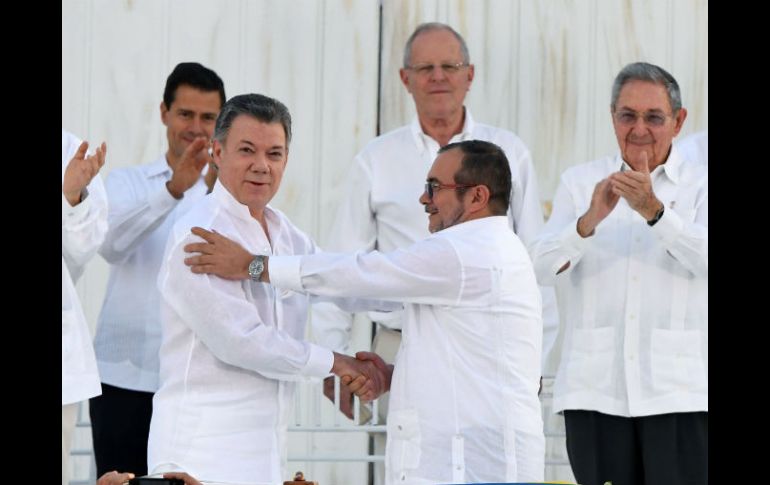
x=378, y=209
x=231, y=349
x=144, y=203
x=464, y=405
x=627, y=249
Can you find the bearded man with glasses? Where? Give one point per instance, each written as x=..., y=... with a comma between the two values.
x=379, y=209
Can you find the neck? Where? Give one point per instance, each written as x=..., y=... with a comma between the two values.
x=443, y=129
x=259, y=215
x=171, y=160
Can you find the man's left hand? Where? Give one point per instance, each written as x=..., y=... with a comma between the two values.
x=636, y=188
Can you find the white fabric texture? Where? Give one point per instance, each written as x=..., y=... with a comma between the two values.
x=228, y=352
x=464, y=389
x=695, y=147
x=142, y=213
x=634, y=299
x=82, y=231
x=380, y=210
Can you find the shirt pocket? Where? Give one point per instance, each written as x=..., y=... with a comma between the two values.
x=676, y=361
x=403, y=446
x=592, y=354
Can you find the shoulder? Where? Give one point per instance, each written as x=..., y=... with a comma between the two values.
x=394, y=140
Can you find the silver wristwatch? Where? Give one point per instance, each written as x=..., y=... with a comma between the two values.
x=256, y=267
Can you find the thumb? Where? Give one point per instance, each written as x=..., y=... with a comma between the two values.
x=644, y=163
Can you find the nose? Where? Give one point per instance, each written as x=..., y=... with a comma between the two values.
x=424, y=199
x=197, y=127
x=260, y=165
x=437, y=73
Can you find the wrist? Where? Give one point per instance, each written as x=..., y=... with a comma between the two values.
x=175, y=193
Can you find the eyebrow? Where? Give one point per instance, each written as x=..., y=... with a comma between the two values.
x=654, y=110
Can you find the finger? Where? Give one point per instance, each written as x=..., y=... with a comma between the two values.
x=644, y=162
x=203, y=268
x=358, y=384
x=194, y=261
x=101, y=155
x=203, y=248
x=80, y=154
x=208, y=236
x=346, y=379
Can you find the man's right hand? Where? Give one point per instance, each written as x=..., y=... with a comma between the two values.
x=188, y=169
x=367, y=381
x=603, y=201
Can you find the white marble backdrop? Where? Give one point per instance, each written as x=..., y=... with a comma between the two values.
x=543, y=70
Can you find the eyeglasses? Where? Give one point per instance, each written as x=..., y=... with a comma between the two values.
x=425, y=70
x=431, y=187
x=628, y=117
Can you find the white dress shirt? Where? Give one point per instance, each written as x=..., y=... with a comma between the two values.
x=380, y=210
x=634, y=299
x=222, y=410
x=471, y=344
x=142, y=213
x=82, y=231
x=695, y=147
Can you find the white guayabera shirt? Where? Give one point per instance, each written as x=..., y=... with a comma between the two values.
x=463, y=402
x=634, y=300
x=380, y=210
x=82, y=231
x=228, y=353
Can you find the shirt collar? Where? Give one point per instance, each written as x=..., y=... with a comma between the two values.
x=158, y=167
x=241, y=211
x=475, y=224
x=420, y=137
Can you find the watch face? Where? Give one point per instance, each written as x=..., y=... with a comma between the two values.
x=256, y=267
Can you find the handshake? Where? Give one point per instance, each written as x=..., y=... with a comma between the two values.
x=367, y=376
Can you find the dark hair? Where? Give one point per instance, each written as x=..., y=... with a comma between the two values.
x=195, y=75
x=485, y=163
x=642, y=71
x=263, y=108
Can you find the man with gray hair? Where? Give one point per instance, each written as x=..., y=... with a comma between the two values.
x=230, y=349
x=633, y=228
x=379, y=208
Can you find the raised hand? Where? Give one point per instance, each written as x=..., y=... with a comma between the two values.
x=635, y=186
x=603, y=201
x=219, y=256
x=80, y=170
x=189, y=168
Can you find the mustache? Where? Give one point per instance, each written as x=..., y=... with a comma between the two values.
x=640, y=140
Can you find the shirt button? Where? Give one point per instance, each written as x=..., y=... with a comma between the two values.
x=400, y=427
x=631, y=317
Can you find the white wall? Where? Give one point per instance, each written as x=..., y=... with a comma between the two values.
x=543, y=70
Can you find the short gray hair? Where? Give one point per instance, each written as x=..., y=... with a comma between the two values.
x=642, y=71
x=428, y=27
x=263, y=108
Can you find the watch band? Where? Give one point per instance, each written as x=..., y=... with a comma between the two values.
x=657, y=216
